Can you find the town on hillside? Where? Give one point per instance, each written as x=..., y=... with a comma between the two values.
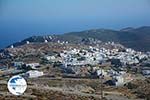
x=94, y=70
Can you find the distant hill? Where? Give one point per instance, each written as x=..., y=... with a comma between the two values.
x=136, y=38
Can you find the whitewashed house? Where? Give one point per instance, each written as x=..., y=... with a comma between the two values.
x=119, y=80
x=33, y=65
x=50, y=57
x=12, y=46
x=27, y=42
x=46, y=41
x=101, y=72
x=34, y=74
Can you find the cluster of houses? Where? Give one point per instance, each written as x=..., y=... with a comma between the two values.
x=75, y=60
x=117, y=78
x=85, y=61
x=94, y=56
x=32, y=67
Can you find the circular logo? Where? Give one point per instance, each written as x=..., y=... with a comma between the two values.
x=17, y=85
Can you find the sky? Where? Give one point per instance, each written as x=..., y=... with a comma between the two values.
x=23, y=18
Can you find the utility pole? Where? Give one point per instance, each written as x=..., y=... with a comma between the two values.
x=100, y=74
x=101, y=80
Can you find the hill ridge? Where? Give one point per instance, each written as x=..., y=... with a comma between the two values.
x=136, y=38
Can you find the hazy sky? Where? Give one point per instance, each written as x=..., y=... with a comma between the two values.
x=23, y=18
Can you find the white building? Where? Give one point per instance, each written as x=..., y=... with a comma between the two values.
x=101, y=72
x=34, y=74
x=45, y=41
x=50, y=57
x=12, y=46
x=27, y=42
x=33, y=65
x=119, y=80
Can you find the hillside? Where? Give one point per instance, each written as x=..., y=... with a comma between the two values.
x=136, y=38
